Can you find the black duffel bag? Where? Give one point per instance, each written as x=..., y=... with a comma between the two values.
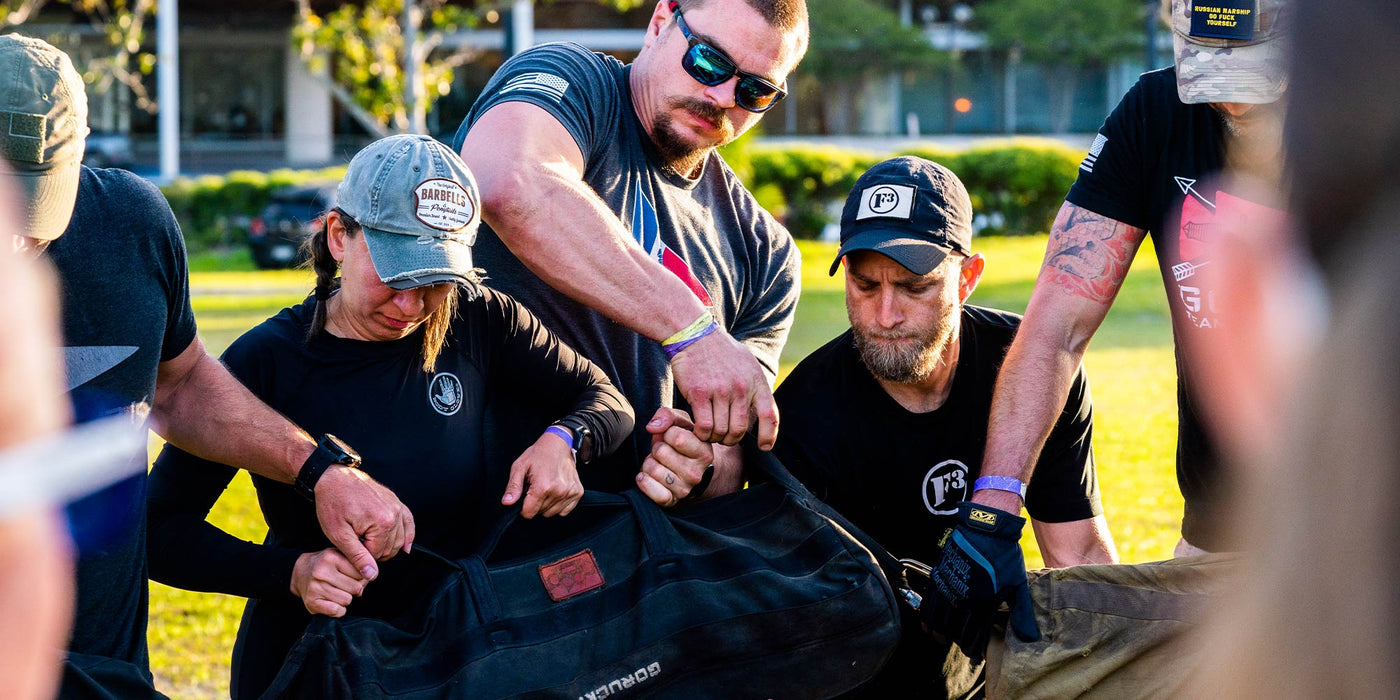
x=756, y=594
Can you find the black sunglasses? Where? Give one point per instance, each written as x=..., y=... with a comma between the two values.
x=709, y=66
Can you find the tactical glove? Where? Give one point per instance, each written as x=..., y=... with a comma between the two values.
x=979, y=566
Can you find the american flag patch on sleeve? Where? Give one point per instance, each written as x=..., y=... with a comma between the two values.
x=551, y=85
x=1087, y=165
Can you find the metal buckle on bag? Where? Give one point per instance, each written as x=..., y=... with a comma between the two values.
x=914, y=569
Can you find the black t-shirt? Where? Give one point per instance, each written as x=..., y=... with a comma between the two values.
x=442, y=441
x=125, y=303
x=899, y=475
x=710, y=232
x=1155, y=166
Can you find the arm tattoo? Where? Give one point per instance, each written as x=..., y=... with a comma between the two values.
x=1089, y=255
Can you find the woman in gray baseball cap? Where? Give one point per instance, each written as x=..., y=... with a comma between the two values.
x=445, y=387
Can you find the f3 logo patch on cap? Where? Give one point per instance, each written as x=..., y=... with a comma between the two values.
x=886, y=202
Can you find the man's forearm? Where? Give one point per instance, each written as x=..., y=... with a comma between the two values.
x=1030, y=394
x=1074, y=543
x=1086, y=260
x=208, y=413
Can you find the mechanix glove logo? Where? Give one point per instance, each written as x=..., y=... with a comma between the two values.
x=983, y=517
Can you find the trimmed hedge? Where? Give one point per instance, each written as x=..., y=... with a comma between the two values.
x=214, y=210
x=1016, y=187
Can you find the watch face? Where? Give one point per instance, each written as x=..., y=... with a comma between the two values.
x=344, y=449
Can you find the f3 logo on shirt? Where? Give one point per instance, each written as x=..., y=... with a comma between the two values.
x=945, y=485
x=445, y=393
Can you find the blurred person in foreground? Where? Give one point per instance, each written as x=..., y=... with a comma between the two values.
x=130, y=348
x=610, y=214
x=36, y=569
x=1307, y=392
x=1153, y=169
x=887, y=422
x=402, y=352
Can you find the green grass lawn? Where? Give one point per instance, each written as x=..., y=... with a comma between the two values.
x=1131, y=371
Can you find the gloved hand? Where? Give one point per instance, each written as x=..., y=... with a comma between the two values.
x=979, y=566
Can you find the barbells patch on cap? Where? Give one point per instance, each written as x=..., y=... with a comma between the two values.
x=886, y=202
x=443, y=204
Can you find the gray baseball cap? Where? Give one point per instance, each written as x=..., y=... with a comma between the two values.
x=43, y=130
x=1230, y=50
x=912, y=210
x=419, y=208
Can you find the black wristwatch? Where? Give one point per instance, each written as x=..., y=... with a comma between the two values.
x=583, y=439
x=330, y=450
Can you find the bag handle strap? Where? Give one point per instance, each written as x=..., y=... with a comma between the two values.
x=657, y=531
x=658, y=535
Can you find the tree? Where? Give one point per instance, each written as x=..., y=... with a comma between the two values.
x=121, y=22
x=1064, y=37
x=854, y=40
x=359, y=49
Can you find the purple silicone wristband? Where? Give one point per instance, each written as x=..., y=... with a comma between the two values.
x=675, y=348
x=1001, y=483
x=563, y=435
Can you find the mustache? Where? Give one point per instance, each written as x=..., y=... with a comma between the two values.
x=885, y=335
x=703, y=109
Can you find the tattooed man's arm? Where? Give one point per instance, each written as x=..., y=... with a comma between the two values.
x=1085, y=263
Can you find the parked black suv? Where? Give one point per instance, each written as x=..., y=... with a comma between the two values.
x=292, y=215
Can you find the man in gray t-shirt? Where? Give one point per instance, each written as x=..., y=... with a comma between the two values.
x=609, y=214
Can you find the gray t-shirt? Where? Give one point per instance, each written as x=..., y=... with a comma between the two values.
x=709, y=231
x=126, y=308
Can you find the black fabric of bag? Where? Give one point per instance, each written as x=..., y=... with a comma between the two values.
x=755, y=594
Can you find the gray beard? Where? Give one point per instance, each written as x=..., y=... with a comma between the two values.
x=904, y=365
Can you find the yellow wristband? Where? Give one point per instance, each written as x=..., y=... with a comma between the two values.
x=685, y=333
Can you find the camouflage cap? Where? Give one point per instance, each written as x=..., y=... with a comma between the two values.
x=1230, y=50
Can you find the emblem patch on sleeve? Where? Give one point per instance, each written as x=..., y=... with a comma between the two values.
x=571, y=576
x=551, y=85
x=1087, y=165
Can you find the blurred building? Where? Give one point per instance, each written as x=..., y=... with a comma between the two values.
x=247, y=100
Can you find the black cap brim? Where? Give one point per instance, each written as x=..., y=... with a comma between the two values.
x=918, y=255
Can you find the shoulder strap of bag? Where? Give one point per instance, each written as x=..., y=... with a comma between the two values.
x=774, y=469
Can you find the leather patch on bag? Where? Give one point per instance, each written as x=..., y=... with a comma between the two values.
x=571, y=576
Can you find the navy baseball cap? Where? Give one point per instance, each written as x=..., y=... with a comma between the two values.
x=912, y=210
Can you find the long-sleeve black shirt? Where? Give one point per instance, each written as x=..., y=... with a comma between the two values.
x=442, y=441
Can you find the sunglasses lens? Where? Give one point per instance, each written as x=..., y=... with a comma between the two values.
x=707, y=65
x=754, y=95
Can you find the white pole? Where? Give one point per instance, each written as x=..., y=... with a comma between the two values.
x=412, y=87
x=522, y=24
x=168, y=86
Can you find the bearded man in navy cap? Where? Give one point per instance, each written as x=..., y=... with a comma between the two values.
x=887, y=422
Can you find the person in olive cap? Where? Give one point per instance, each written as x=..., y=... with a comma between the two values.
x=447, y=387
x=887, y=422
x=131, y=347
x=1152, y=170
